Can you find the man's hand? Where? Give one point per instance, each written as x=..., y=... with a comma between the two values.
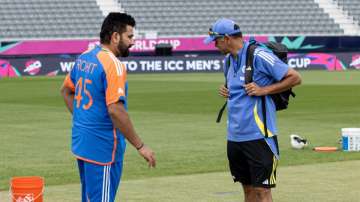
x=254, y=90
x=291, y=79
x=223, y=91
x=148, y=155
x=121, y=120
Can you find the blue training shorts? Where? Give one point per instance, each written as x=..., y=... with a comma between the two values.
x=99, y=183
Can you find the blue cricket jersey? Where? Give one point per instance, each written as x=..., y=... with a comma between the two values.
x=245, y=120
x=98, y=79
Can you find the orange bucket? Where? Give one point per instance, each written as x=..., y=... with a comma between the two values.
x=27, y=189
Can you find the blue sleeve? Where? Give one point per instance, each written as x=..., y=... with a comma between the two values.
x=269, y=64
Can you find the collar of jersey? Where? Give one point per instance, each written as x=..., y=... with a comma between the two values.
x=104, y=49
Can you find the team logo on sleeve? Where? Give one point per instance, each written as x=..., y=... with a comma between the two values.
x=32, y=67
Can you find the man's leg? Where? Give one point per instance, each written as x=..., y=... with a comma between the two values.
x=262, y=194
x=239, y=168
x=101, y=181
x=259, y=165
x=248, y=193
x=82, y=180
x=256, y=194
x=115, y=175
x=263, y=164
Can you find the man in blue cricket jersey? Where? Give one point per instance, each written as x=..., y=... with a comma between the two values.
x=95, y=92
x=252, y=157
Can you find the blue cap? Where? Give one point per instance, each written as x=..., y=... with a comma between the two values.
x=220, y=28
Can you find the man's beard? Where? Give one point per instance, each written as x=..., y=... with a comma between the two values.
x=123, y=50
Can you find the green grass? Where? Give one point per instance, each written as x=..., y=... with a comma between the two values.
x=331, y=182
x=174, y=114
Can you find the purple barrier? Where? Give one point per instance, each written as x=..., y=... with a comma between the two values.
x=79, y=46
x=61, y=64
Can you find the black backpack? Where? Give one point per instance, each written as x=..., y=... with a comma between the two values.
x=281, y=99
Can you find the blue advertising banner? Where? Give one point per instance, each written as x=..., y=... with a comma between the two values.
x=61, y=64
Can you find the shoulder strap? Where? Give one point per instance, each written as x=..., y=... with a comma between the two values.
x=249, y=71
x=221, y=111
x=226, y=70
x=263, y=105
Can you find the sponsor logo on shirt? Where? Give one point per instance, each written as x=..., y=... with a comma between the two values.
x=243, y=69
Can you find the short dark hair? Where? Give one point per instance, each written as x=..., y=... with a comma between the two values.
x=115, y=22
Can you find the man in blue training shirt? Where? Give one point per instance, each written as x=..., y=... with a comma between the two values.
x=252, y=157
x=95, y=92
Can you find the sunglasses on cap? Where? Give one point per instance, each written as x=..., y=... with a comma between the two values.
x=215, y=34
x=218, y=35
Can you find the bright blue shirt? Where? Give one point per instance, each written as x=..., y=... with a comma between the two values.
x=245, y=120
x=98, y=79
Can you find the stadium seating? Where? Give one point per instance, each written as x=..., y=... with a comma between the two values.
x=26, y=19
x=352, y=7
x=184, y=17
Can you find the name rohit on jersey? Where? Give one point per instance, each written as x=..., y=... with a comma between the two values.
x=85, y=66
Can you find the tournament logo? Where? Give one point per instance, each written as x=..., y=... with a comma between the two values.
x=7, y=70
x=355, y=62
x=32, y=67
x=316, y=61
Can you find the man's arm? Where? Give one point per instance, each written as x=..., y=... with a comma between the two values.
x=68, y=96
x=291, y=79
x=121, y=120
